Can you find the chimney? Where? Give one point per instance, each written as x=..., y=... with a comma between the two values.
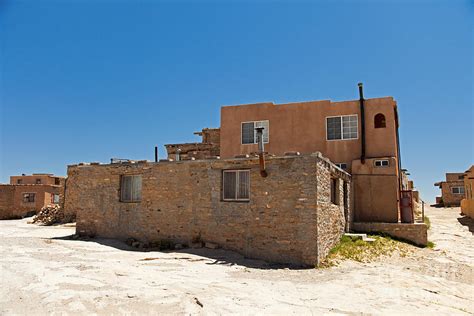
x=362, y=122
x=261, y=151
x=178, y=152
x=156, y=153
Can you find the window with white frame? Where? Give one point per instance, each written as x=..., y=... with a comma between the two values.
x=55, y=199
x=342, y=127
x=249, y=135
x=131, y=188
x=382, y=163
x=457, y=190
x=29, y=197
x=342, y=165
x=236, y=185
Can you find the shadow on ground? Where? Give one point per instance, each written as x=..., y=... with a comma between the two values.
x=215, y=256
x=467, y=221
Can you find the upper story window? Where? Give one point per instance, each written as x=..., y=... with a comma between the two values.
x=342, y=127
x=382, y=163
x=28, y=197
x=379, y=121
x=38, y=181
x=342, y=165
x=131, y=188
x=249, y=136
x=57, y=181
x=19, y=181
x=457, y=190
x=236, y=185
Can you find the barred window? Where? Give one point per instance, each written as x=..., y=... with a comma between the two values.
x=131, y=188
x=236, y=185
x=249, y=136
x=29, y=197
x=342, y=127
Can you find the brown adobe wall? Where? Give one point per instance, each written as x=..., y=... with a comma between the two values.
x=450, y=199
x=181, y=201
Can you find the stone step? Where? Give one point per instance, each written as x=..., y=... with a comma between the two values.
x=356, y=236
x=368, y=239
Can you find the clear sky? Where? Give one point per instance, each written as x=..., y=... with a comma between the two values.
x=91, y=80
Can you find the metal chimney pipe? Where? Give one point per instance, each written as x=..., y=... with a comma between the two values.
x=362, y=122
x=261, y=151
x=178, y=152
x=156, y=153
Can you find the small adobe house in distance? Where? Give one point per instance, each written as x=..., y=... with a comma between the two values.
x=27, y=194
x=452, y=190
x=467, y=204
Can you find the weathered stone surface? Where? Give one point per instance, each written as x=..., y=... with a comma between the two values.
x=288, y=219
x=416, y=233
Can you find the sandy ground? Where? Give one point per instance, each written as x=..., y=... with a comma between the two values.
x=44, y=273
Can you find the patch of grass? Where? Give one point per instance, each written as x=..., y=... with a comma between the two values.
x=430, y=245
x=427, y=222
x=363, y=251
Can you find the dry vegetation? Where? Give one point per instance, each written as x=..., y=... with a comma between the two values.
x=363, y=251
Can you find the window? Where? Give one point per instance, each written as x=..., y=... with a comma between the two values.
x=249, y=136
x=38, y=181
x=341, y=127
x=343, y=166
x=57, y=181
x=55, y=199
x=457, y=190
x=382, y=163
x=131, y=189
x=236, y=185
x=334, y=191
x=29, y=197
x=379, y=121
x=19, y=181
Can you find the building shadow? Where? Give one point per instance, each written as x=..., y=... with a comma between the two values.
x=214, y=256
x=467, y=221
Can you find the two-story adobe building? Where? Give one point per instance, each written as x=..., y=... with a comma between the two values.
x=27, y=194
x=452, y=189
x=359, y=136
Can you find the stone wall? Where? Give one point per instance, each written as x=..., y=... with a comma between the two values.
x=331, y=217
x=208, y=147
x=11, y=199
x=416, y=233
x=450, y=199
x=182, y=201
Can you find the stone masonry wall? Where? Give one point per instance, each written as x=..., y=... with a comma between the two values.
x=450, y=199
x=331, y=217
x=416, y=233
x=182, y=201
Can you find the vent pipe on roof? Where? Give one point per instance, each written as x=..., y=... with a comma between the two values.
x=178, y=152
x=362, y=122
x=261, y=152
x=156, y=153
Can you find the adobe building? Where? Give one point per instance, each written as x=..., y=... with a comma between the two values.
x=467, y=204
x=209, y=146
x=293, y=212
x=27, y=194
x=452, y=190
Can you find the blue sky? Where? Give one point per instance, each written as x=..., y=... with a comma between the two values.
x=91, y=80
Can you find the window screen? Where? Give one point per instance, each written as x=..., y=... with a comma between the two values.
x=341, y=127
x=334, y=128
x=248, y=133
x=131, y=189
x=236, y=185
x=349, y=127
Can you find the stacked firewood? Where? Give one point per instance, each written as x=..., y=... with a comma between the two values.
x=49, y=215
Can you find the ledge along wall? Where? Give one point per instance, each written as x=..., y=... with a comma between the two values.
x=289, y=218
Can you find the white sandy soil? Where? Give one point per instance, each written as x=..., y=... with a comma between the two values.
x=43, y=272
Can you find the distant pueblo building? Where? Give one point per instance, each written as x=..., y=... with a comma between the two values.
x=280, y=182
x=27, y=194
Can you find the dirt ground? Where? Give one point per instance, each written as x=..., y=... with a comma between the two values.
x=42, y=272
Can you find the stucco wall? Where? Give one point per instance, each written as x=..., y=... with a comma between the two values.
x=302, y=127
x=11, y=199
x=183, y=200
x=375, y=191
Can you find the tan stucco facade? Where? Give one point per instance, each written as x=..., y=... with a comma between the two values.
x=302, y=127
x=467, y=204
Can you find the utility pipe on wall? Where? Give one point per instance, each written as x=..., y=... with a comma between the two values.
x=261, y=152
x=362, y=122
x=156, y=153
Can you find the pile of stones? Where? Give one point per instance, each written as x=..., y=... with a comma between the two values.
x=49, y=215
